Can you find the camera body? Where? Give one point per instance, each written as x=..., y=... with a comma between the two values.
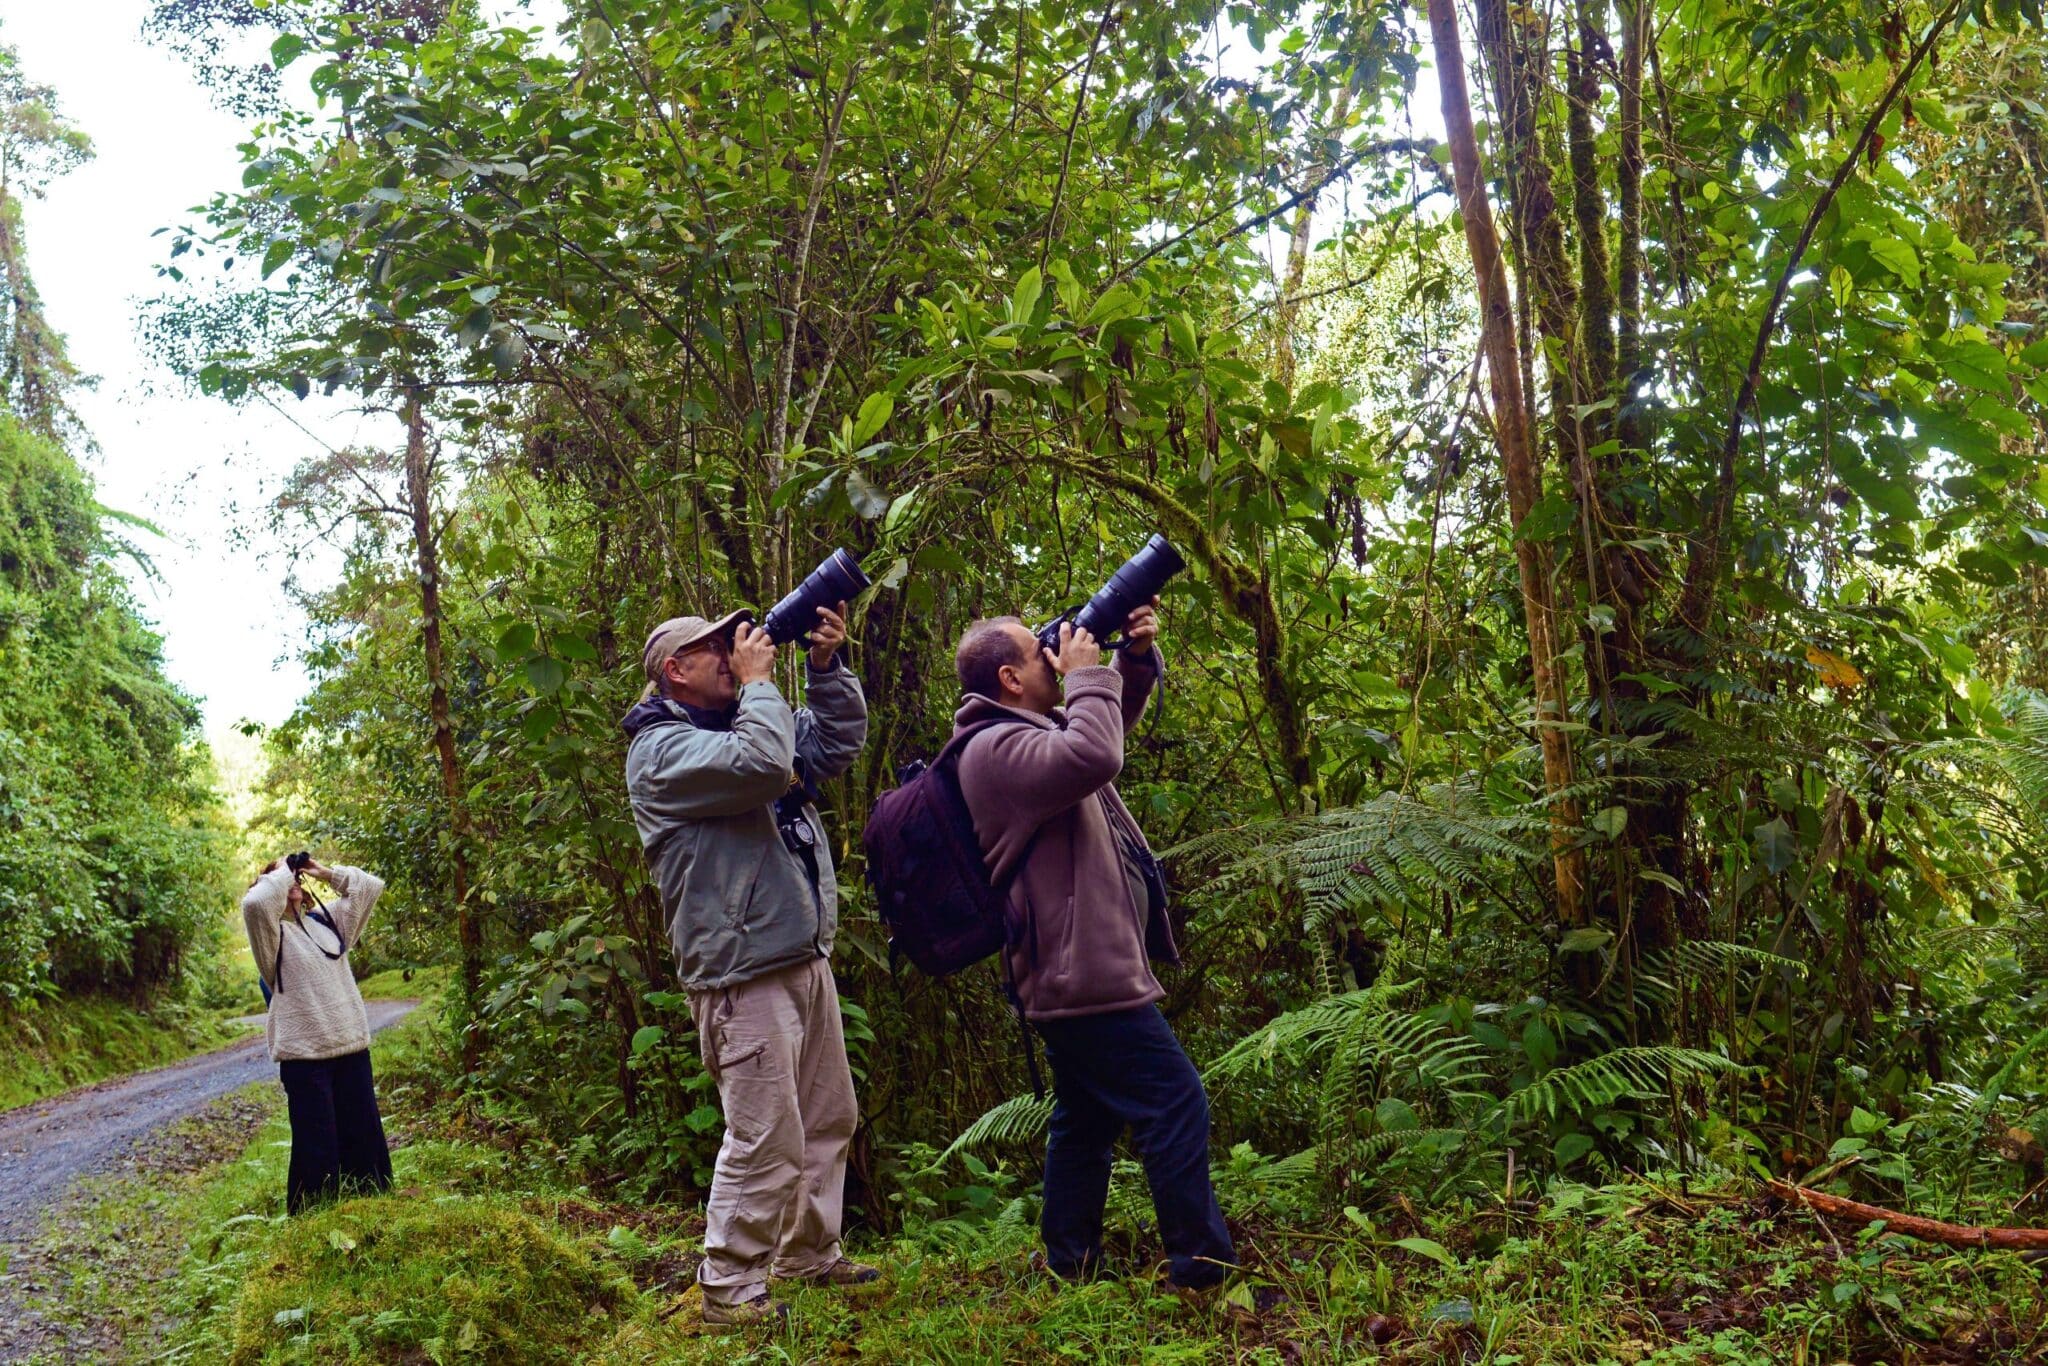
x=1133, y=585
x=836, y=580
x=297, y=862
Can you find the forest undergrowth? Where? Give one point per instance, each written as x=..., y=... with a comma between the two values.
x=494, y=1246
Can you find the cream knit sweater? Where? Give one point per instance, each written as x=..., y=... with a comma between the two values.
x=318, y=1013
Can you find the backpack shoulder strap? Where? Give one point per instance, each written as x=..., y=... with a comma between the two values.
x=956, y=746
x=950, y=756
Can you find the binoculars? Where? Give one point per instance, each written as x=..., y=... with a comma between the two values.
x=835, y=581
x=297, y=862
x=1131, y=587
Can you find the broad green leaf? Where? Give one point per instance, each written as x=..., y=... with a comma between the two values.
x=475, y=327
x=901, y=509
x=874, y=414
x=645, y=1037
x=1974, y=365
x=1024, y=299
x=1571, y=1148
x=1552, y=516
x=516, y=639
x=1898, y=256
x=547, y=675
x=1115, y=303
x=1776, y=845
x=1585, y=939
x=1396, y=1115
x=1608, y=821
x=869, y=501
x=536, y=724
x=1935, y=115
x=1425, y=1247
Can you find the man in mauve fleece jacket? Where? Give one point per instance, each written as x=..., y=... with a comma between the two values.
x=1043, y=797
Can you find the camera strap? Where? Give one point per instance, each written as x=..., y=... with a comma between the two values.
x=319, y=916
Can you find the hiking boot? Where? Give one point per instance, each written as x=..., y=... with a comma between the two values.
x=841, y=1275
x=747, y=1313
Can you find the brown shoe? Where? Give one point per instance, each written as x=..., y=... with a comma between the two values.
x=747, y=1313
x=841, y=1275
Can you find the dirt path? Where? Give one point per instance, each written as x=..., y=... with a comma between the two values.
x=46, y=1146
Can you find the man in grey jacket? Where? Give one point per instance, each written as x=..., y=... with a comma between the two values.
x=722, y=776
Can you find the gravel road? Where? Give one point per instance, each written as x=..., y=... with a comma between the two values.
x=45, y=1146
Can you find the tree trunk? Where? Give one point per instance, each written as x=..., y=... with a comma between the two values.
x=468, y=932
x=1524, y=481
x=1289, y=306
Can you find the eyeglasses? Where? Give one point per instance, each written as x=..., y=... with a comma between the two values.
x=717, y=645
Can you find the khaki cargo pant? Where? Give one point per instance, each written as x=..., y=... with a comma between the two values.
x=775, y=1048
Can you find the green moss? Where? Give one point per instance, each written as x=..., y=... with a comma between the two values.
x=450, y=1277
x=53, y=1046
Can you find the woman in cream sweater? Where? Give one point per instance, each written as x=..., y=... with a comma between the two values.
x=319, y=1033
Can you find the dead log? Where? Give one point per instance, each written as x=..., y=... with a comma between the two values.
x=1912, y=1225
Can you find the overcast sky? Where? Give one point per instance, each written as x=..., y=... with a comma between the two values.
x=183, y=461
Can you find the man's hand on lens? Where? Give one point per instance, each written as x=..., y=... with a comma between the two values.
x=753, y=655
x=1078, y=650
x=827, y=636
x=1142, y=627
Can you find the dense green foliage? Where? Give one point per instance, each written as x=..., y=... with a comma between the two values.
x=1630, y=1274
x=1676, y=803
x=114, y=862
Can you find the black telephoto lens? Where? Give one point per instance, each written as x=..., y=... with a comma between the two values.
x=835, y=581
x=1131, y=587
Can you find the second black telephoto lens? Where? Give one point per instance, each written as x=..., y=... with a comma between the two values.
x=1134, y=584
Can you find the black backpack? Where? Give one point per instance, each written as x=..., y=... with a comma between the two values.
x=931, y=883
x=932, y=886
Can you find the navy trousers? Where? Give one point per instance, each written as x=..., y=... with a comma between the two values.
x=337, y=1134
x=1123, y=1069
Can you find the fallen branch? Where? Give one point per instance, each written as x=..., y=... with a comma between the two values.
x=1912, y=1225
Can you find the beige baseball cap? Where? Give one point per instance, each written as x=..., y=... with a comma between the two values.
x=680, y=632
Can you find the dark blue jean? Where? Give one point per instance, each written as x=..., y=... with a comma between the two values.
x=1109, y=1071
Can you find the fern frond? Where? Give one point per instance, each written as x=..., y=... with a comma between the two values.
x=1017, y=1120
x=1641, y=1073
x=1298, y=1033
